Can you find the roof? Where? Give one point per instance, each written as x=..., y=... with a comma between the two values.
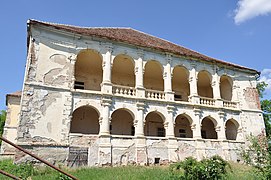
x=138, y=38
x=14, y=94
x=17, y=93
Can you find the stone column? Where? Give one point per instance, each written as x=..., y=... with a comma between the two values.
x=105, y=119
x=196, y=126
x=140, y=140
x=139, y=122
x=216, y=90
x=170, y=122
x=216, y=86
x=140, y=90
x=193, y=98
x=104, y=154
x=169, y=95
x=107, y=66
x=172, y=141
x=72, y=58
x=220, y=129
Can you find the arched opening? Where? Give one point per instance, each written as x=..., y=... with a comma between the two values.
x=123, y=71
x=122, y=122
x=226, y=88
x=180, y=84
x=204, y=84
x=231, y=129
x=85, y=120
x=88, y=70
x=183, y=126
x=208, y=128
x=153, y=76
x=154, y=125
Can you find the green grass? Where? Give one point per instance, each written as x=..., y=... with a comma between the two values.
x=238, y=172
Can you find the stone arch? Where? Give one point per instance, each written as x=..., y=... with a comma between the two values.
x=85, y=120
x=153, y=76
x=182, y=127
x=208, y=128
x=180, y=83
x=123, y=71
x=122, y=122
x=154, y=124
x=226, y=87
x=204, y=84
x=231, y=128
x=88, y=71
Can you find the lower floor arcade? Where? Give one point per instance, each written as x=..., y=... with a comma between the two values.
x=88, y=120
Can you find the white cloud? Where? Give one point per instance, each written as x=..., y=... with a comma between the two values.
x=248, y=9
x=266, y=77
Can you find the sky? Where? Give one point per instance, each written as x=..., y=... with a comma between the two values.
x=234, y=31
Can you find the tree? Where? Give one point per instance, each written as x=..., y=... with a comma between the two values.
x=266, y=108
x=3, y=115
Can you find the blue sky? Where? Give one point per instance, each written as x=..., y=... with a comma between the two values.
x=234, y=31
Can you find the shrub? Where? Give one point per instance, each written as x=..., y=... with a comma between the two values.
x=207, y=169
x=258, y=155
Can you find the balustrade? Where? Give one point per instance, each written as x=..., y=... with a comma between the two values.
x=124, y=90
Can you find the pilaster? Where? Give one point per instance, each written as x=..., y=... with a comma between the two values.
x=193, y=98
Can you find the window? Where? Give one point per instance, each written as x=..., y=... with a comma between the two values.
x=156, y=160
x=79, y=85
x=160, y=132
x=182, y=133
x=177, y=97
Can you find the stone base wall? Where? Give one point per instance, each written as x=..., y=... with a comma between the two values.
x=91, y=150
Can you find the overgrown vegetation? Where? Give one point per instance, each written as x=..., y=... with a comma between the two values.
x=266, y=108
x=206, y=169
x=258, y=156
x=3, y=115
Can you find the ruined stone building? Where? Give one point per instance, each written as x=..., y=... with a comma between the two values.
x=112, y=96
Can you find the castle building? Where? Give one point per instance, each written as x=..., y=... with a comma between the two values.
x=117, y=96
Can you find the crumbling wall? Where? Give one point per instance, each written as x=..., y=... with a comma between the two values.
x=123, y=151
x=45, y=116
x=252, y=98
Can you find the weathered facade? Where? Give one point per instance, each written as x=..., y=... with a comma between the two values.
x=114, y=96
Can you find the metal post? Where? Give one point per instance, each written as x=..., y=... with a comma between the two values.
x=36, y=157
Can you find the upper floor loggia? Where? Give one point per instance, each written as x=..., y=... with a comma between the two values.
x=122, y=75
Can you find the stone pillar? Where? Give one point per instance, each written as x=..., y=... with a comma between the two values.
x=169, y=95
x=105, y=119
x=216, y=86
x=106, y=86
x=216, y=90
x=72, y=58
x=172, y=141
x=140, y=140
x=140, y=90
x=220, y=128
x=196, y=126
x=139, y=122
x=193, y=98
x=104, y=154
x=170, y=122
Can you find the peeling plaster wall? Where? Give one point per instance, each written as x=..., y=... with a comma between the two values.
x=11, y=124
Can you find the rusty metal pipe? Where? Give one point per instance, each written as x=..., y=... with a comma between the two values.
x=36, y=157
x=9, y=175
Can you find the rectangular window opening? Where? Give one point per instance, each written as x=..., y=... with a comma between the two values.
x=156, y=160
x=79, y=85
